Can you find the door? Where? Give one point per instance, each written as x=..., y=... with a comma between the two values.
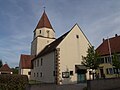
x=101, y=73
x=81, y=78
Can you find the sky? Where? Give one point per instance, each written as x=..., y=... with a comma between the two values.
x=98, y=19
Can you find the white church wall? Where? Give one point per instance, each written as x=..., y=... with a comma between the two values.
x=72, y=48
x=33, y=47
x=44, y=72
x=42, y=42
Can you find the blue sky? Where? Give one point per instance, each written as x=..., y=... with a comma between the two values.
x=98, y=19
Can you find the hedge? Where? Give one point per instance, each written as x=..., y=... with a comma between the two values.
x=13, y=82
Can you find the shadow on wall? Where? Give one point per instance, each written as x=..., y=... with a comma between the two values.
x=67, y=80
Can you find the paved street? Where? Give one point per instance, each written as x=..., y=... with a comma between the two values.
x=57, y=87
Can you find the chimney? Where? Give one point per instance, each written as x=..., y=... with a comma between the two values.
x=103, y=39
x=116, y=35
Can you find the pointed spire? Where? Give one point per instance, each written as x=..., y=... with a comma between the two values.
x=44, y=21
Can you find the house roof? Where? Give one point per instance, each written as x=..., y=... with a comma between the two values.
x=25, y=61
x=44, y=22
x=5, y=67
x=103, y=49
x=52, y=46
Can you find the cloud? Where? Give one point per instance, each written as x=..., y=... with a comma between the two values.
x=105, y=27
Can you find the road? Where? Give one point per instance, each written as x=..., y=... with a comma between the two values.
x=57, y=87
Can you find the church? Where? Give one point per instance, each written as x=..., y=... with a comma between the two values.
x=57, y=60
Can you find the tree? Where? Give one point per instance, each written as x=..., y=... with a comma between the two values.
x=116, y=63
x=1, y=64
x=91, y=60
x=15, y=70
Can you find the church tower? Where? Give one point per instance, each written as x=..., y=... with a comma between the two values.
x=44, y=34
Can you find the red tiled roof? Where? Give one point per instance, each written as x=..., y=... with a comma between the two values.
x=25, y=61
x=44, y=22
x=5, y=67
x=103, y=49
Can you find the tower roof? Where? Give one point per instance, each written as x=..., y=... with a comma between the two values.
x=44, y=22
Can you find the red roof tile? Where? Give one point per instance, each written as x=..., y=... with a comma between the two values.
x=103, y=49
x=25, y=61
x=44, y=22
x=5, y=67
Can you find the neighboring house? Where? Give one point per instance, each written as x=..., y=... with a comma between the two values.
x=25, y=65
x=58, y=60
x=109, y=45
x=5, y=69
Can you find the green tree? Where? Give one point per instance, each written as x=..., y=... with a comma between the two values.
x=1, y=63
x=116, y=62
x=15, y=70
x=91, y=60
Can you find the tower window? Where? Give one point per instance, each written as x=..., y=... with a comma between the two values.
x=40, y=31
x=48, y=33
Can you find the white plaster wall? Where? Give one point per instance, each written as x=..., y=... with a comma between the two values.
x=42, y=42
x=25, y=72
x=44, y=32
x=47, y=69
x=34, y=47
x=71, y=52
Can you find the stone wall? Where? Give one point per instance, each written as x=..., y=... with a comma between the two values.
x=104, y=84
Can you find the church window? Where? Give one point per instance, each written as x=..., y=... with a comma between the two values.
x=54, y=73
x=41, y=61
x=41, y=74
x=77, y=36
x=48, y=33
x=38, y=63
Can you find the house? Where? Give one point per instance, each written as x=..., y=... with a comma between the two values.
x=25, y=65
x=5, y=69
x=106, y=50
x=58, y=60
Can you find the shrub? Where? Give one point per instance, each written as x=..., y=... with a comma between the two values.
x=13, y=82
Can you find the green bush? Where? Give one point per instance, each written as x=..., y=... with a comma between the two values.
x=13, y=82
